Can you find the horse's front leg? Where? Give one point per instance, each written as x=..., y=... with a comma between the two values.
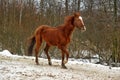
x=64, y=51
x=63, y=64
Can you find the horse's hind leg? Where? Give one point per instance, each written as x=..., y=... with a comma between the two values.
x=38, y=44
x=46, y=52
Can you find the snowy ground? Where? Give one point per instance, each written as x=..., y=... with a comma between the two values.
x=13, y=67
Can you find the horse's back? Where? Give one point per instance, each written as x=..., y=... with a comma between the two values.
x=52, y=35
x=41, y=28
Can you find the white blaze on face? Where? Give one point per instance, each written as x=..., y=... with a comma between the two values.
x=81, y=19
x=82, y=22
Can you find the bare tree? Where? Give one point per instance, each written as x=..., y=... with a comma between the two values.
x=101, y=18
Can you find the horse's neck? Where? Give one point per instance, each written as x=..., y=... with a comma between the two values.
x=68, y=26
x=68, y=29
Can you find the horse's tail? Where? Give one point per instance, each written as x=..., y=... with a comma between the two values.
x=31, y=45
x=32, y=40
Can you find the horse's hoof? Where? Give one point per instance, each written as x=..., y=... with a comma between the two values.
x=50, y=63
x=37, y=63
x=64, y=67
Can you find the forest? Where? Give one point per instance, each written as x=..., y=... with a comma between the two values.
x=19, y=19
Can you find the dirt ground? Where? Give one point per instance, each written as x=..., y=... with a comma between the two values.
x=24, y=68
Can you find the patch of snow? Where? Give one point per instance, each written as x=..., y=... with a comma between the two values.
x=85, y=60
x=5, y=53
x=96, y=56
x=16, y=67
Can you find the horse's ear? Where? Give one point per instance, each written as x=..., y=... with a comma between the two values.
x=76, y=14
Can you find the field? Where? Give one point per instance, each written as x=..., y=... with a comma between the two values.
x=14, y=67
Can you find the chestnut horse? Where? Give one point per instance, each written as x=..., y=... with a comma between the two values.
x=56, y=36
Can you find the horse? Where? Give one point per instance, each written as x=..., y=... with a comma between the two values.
x=59, y=36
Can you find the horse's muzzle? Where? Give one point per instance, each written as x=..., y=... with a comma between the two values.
x=83, y=29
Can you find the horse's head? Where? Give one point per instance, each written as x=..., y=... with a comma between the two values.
x=78, y=21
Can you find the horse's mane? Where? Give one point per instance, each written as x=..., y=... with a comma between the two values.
x=68, y=19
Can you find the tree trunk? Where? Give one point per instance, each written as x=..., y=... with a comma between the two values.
x=21, y=10
x=78, y=9
x=115, y=11
x=66, y=6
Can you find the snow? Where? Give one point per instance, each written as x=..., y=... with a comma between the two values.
x=6, y=53
x=14, y=67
